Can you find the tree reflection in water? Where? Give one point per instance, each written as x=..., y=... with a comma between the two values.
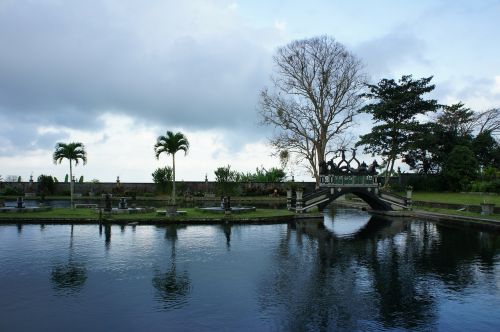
x=69, y=278
x=382, y=277
x=172, y=287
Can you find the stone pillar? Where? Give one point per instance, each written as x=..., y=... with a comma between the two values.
x=298, y=200
x=289, y=199
x=409, y=193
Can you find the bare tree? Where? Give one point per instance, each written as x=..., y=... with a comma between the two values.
x=488, y=121
x=315, y=94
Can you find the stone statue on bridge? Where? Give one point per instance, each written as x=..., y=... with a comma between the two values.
x=345, y=167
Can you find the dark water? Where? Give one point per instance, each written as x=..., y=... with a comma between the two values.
x=350, y=272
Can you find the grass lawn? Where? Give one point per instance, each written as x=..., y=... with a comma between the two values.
x=458, y=213
x=456, y=198
x=192, y=214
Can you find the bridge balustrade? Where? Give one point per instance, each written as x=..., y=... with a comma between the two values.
x=348, y=180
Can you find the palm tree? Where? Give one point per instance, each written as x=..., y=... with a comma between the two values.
x=71, y=151
x=170, y=144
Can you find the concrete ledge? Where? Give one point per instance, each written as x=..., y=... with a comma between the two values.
x=467, y=221
x=90, y=206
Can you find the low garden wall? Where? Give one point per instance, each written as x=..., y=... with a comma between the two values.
x=197, y=188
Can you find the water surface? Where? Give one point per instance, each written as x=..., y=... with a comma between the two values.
x=350, y=272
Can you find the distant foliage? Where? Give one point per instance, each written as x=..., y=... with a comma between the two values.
x=81, y=179
x=66, y=178
x=263, y=175
x=226, y=181
x=460, y=168
x=489, y=181
x=11, y=191
x=11, y=178
x=45, y=185
x=162, y=176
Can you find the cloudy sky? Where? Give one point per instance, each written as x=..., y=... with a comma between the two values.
x=116, y=74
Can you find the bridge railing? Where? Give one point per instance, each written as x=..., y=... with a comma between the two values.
x=348, y=180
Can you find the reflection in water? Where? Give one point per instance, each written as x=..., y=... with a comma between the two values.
x=107, y=235
x=69, y=278
x=226, y=228
x=383, y=275
x=172, y=286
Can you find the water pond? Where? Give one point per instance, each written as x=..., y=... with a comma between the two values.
x=348, y=272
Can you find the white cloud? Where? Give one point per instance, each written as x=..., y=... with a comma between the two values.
x=280, y=25
x=125, y=148
x=496, y=85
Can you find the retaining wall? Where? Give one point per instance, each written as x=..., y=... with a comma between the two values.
x=182, y=187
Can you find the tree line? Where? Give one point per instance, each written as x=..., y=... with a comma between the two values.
x=318, y=88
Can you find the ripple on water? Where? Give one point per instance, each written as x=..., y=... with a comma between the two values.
x=349, y=273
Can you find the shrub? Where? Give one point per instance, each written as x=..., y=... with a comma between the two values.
x=130, y=193
x=162, y=176
x=45, y=185
x=11, y=191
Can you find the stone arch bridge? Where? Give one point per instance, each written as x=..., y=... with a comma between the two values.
x=337, y=179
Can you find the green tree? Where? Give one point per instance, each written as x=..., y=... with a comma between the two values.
x=226, y=180
x=315, y=94
x=45, y=184
x=162, y=176
x=396, y=108
x=457, y=120
x=263, y=175
x=486, y=149
x=422, y=150
x=74, y=151
x=171, y=144
x=460, y=168
x=453, y=127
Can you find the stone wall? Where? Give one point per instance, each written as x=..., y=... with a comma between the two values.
x=182, y=187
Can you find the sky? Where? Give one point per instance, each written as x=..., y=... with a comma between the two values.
x=116, y=74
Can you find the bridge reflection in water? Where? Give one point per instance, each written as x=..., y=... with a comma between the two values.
x=380, y=274
x=348, y=272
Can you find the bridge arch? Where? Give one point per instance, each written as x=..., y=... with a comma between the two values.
x=369, y=197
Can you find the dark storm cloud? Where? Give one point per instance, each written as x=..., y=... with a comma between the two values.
x=18, y=136
x=65, y=63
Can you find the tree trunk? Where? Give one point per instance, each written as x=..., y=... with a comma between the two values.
x=320, y=156
x=388, y=170
x=173, y=178
x=71, y=184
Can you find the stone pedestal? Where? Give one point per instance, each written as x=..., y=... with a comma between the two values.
x=487, y=208
x=171, y=210
x=298, y=202
x=289, y=199
x=409, y=194
x=123, y=203
x=20, y=203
